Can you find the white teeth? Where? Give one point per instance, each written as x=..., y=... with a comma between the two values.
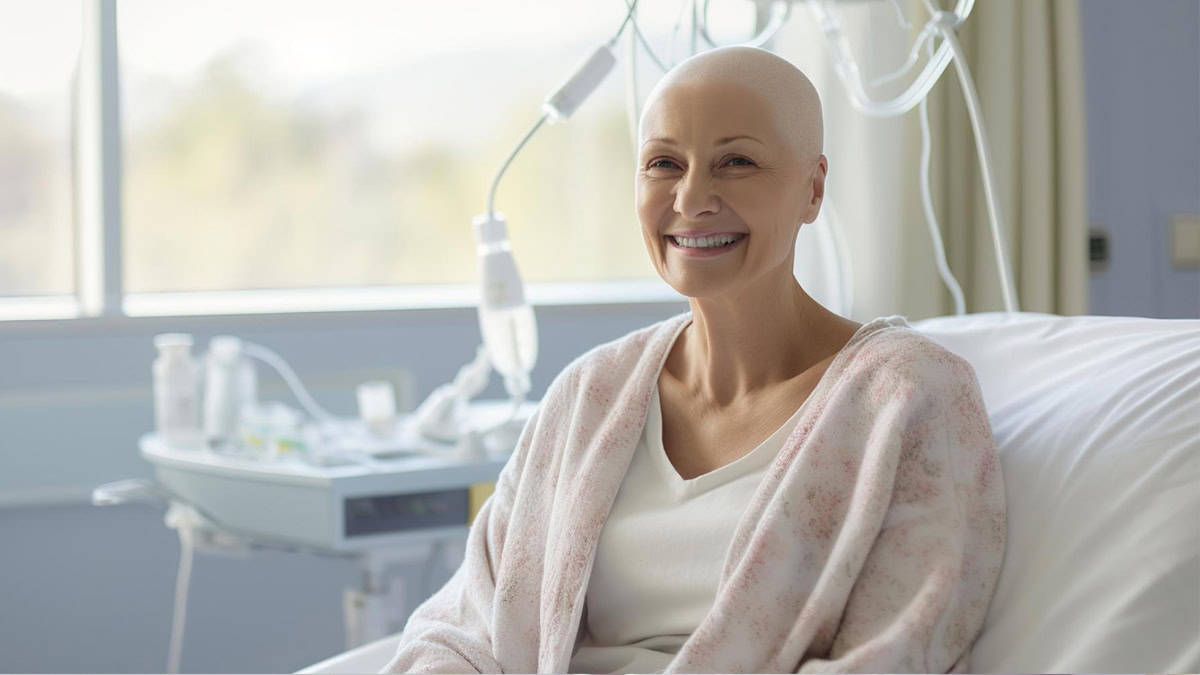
x=706, y=242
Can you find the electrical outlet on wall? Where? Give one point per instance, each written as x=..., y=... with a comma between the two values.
x=1098, y=253
x=1185, y=241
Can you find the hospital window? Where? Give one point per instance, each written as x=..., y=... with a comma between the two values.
x=305, y=145
x=39, y=47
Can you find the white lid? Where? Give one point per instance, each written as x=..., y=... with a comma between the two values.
x=173, y=341
x=376, y=400
x=490, y=230
x=225, y=347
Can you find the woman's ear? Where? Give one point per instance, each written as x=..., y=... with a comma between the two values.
x=817, y=178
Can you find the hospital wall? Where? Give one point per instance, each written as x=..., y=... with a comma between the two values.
x=1142, y=87
x=85, y=588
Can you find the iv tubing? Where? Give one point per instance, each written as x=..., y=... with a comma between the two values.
x=900, y=17
x=187, y=553
x=275, y=361
x=179, y=613
x=695, y=24
x=985, y=163
x=913, y=55
x=491, y=210
x=628, y=16
x=637, y=32
x=778, y=18
x=844, y=260
x=675, y=32
x=945, y=23
x=931, y=217
x=847, y=69
x=632, y=100
x=518, y=397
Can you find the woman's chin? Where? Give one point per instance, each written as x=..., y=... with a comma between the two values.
x=695, y=287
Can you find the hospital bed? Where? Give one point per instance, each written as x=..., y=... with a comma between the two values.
x=1097, y=424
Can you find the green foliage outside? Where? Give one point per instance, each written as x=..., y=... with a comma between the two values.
x=234, y=191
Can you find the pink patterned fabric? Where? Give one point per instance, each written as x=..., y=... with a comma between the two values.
x=873, y=543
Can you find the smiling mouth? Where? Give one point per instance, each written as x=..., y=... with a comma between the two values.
x=675, y=243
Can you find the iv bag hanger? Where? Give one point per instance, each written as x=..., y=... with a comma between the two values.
x=506, y=320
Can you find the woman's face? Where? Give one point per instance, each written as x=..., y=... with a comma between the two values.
x=713, y=161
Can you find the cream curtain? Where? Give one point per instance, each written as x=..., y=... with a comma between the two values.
x=1026, y=59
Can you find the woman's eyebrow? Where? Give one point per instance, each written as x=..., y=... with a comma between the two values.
x=730, y=139
x=720, y=141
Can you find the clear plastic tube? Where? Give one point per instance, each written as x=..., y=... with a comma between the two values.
x=633, y=100
x=491, y=203
x=183, y=579
x=637, y=32
x=844, y=261
x=982, y=149
x=944, y=24
x=275, y=361
x=847, y=68
x=939, y=251
x=781, y=10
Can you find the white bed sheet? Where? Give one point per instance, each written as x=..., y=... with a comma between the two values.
x=1097, y=424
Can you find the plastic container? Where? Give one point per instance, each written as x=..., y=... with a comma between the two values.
x=222, y=390
x=506, y=320
x=377, y=407
x=511, y=338
x=176, y=391
x=247, y=382
x=274, y=430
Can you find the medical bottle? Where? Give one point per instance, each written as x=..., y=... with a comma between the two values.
x=247, y=383
x=222, y=390
x=506, y=320
x=176, y=391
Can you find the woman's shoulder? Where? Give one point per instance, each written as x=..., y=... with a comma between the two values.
x=618, y=359
x=891, y=346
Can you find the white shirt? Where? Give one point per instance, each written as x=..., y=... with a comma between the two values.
x=660, y=552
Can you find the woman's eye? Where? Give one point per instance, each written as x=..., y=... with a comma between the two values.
x=740, y=159
x=662, y=164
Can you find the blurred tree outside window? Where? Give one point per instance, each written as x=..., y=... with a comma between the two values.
x=39, y=51
x=276, y=144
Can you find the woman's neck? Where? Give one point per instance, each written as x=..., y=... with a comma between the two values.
x=734, y=351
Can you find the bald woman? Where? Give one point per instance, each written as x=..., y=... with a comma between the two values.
x=755, y=485
x=730, y=147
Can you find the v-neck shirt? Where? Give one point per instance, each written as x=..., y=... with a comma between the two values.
x=660, y=553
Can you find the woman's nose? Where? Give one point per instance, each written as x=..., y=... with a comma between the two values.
x=695, y=197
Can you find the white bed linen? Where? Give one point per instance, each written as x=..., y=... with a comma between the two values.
x=1097, y=424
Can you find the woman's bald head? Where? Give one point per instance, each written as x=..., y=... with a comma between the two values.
x=729, y=144
x=789, y=98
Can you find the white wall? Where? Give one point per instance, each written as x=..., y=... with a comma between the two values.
x=1142, y=83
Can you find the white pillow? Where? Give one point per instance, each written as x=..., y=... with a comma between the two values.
x=1097, y=424
x=369, y=658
